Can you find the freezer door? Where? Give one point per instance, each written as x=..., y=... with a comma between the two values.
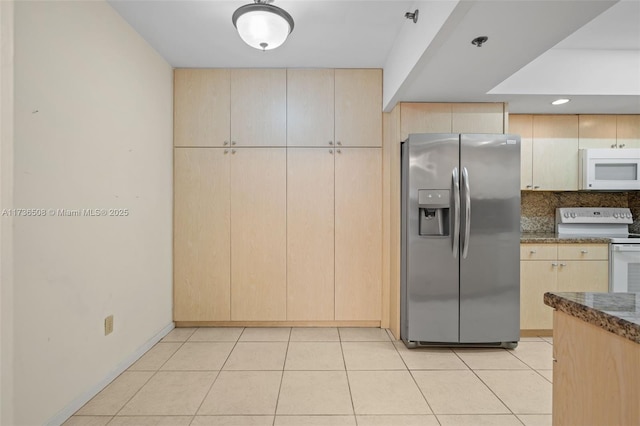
x=431, y=279
x=490, y=238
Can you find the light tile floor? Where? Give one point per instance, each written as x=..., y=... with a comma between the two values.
x=324, y=377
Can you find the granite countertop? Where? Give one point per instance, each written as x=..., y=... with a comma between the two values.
x=551, y=238
x=618, y=313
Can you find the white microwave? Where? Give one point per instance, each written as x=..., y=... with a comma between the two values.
x=610, y=169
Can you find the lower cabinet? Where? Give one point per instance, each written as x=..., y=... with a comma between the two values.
x=277, y=234
x=258, y=234
x=558, y=267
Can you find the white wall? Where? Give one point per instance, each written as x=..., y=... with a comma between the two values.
x=93, y=130
x=6, y=222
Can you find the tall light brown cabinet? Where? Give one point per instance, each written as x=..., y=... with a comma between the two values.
x=278, y=188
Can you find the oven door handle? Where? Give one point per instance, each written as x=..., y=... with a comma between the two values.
x=626, y=248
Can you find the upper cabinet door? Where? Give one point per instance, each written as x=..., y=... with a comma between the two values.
x=358, y=110
x=258, y=107
x=628, y=131
x=310, y=107
x=418, y=117
x=555, y=152
x=477, y=118
x=597, y=131
x=523, y=125
x=201, y=107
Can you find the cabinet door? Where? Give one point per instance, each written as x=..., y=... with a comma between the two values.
x=591, y=275
x=310, y=234
x=477, y=118
x=259, y=107
x=201, y=235
x=523, y=125
x=628, y=131
x=597, y=131
x=358, y=107
x=310, y=107
x=555, y=152
x=358, y=238
x=258, y=234
x=536, y=278
x=201, y=107
x=424, y=118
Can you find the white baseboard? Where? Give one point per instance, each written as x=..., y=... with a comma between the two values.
x=78, y=402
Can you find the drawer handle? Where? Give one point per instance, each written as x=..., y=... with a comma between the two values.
x=532, y=251
x=554, y=264
x=563, y=264
x=584, y=251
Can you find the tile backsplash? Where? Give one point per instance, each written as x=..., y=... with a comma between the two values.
x=539, y=207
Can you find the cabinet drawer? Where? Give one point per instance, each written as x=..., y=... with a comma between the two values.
x=583, y=251
x=538, y=251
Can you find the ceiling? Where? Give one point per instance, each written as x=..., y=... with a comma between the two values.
x=586, y=50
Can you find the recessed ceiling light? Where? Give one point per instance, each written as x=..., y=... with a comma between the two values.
x=560, y=101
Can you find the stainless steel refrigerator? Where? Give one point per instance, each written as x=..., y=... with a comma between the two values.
x=460, y=240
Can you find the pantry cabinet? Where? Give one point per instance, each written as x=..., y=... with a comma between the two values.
x=358, y=229
x=266, y=232
x=310, y=234
x=202, y=99
x=334, y=107
x=258, y=107
x=558, y=267
x=358, y=107
x=258, y=234
x=202, y=218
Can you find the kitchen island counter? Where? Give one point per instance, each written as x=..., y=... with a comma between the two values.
x=618, y=313
x=596, y=349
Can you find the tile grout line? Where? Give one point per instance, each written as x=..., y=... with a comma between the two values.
x=488, y=387
x=346, y=373
x=155, y=372
x=284, y=363
x=415, y=382
x=216, y=378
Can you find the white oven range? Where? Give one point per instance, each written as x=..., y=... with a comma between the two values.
x=611, y=223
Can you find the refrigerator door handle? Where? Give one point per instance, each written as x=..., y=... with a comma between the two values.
x=456, y=213
x=467, y=213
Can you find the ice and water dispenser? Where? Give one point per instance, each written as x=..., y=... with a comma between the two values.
x=434, y=206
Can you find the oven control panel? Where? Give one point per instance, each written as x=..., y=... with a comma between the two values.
x=595, y=215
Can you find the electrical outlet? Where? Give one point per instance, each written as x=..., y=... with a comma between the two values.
x=108, y=325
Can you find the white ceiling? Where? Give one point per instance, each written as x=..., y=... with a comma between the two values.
x=587, y=50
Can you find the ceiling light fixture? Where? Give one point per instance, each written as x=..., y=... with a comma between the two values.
x=479, y=41
x=560, y=101
x=262, y=25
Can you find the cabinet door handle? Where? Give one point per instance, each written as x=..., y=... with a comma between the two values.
x=563, y=264
x=339, y=143
x=330, y=142
x=622, y=145
x=330, y=151
x=528, y=186
x=536, y=187
x=584, y=251
x=226, y=143
x=233, y=151
x=339, y=151
x=532, y=251
x=554, y=264
x=226, y=151
x=233, y=142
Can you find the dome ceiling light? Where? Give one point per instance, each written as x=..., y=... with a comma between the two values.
x=262, y=25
